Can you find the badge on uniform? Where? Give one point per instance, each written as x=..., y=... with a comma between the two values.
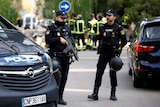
x=58, y=34
x=122, y=32
x=104, y=34
x=67, y=33
x=47, y=32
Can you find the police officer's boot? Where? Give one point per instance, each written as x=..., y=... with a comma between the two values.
x=61, y=101
x=113, y=96
x=94, y=95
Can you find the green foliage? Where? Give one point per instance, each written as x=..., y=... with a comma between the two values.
x=84, y=7
x=135, y=9
x=48, y=9
x=8, y=11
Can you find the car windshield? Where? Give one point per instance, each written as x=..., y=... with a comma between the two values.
x=153, y=31
x=13, y=41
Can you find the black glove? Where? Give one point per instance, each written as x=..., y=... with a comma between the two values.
x=117, y=52
x=98, y=50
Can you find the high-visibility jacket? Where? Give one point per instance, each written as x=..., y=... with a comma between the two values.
x=98, y=26
x=80, y=27
x=104, y=20
x=72, y=25
x=92, y=26
x=124, y=20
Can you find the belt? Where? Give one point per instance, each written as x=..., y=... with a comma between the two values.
x=59, y=53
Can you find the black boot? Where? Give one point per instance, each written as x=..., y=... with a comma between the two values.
x=94, y=95
x=61, y=101
x=113, y=96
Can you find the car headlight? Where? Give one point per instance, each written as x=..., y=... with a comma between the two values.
x=49, y=60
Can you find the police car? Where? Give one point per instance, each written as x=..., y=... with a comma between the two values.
x=26, y=75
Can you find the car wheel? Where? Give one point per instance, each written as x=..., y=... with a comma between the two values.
x=137, y=82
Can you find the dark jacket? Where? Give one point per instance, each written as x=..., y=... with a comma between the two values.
x=112, y=37
x=52, y=37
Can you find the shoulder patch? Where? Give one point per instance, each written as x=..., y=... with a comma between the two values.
x=122, y=32
x=47, y=32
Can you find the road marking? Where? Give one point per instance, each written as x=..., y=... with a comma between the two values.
x=77, y=90
x=82, y=70
x=90, y=70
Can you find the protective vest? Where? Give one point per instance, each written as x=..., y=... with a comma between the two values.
x=98, y=26
x=92, y=26
x=104, y=20
x=125, y=19
x=72, y=24
x=80, y=27
x=110, y=36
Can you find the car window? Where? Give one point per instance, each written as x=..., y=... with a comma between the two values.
x=22, y=44
x=152, y=32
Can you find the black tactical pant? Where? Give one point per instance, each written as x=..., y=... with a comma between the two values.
x=64, y=60
x=103, y=60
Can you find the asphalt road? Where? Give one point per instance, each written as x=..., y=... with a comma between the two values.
x=81, y=80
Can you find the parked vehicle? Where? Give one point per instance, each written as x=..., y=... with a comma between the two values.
x=28, y=20
x=26, y=75
x=144, y=52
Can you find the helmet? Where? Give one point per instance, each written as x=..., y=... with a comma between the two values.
x=56, y=64
x=116, y=63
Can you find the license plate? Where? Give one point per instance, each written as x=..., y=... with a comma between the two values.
x=33, y=100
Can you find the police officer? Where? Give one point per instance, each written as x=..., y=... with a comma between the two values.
x=55, y=39
x=112, y=39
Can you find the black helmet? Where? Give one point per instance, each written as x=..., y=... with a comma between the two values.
x=116, y=63
x=56, y=64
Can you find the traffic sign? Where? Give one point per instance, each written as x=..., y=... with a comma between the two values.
x=65, y=6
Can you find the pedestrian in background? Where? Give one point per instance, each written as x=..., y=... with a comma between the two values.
x=72, y=25
x=91, y=27
x=54, y=37
x=80, y=27
x=112, y=40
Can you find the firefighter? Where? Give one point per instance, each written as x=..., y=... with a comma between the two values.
x=91, y=31
x=100, y=22
x=80, y=27
x=72, y=25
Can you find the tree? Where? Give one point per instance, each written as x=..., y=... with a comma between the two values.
x=135, y=9
x=8, y=10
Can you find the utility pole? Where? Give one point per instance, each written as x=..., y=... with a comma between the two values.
x=31, y=12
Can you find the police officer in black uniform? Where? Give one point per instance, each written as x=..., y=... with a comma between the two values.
x=55, y=39
x=112, y=40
